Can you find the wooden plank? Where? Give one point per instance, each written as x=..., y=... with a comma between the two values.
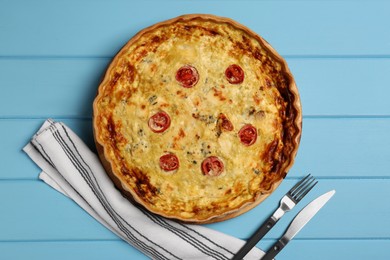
x=332, y=147
x=67, y=87
x=292, y=27
x=344, y=148
x=15, y=134
x=297, y=249
x=52, y=87
x=75, y=250
x=36, y=212
x=345, y=87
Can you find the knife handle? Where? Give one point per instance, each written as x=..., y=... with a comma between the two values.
x=259, y=234
x=275, y=249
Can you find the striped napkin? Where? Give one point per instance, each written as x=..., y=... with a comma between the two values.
x=70, y=167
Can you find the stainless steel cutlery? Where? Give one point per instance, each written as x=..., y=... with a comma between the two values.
x=292, y=198
x=303, y=217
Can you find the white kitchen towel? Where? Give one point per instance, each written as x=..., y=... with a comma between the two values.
x=70, y=167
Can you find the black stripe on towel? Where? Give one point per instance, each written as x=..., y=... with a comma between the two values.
x=42, y=151
x=206, y=238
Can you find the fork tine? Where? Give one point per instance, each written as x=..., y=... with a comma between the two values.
x=296, y=186
x=307, y=189
x=303, y=186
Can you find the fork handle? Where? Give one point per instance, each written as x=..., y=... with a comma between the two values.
x=275, y=249
x=259, y=234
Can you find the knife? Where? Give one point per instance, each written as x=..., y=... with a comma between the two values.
x=302, y=218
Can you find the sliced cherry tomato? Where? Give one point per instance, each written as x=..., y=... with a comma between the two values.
x=159, y=122
x=212, y=166
x=169, y=162
x=187, y=76
x=234, y=74
x=248, y=134
x=224, y=123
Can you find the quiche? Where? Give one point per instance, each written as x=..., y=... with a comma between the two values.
x=197, y=119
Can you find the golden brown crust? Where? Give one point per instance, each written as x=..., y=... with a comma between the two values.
x=153, y=190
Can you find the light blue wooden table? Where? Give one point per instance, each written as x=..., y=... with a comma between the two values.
x=53, y=53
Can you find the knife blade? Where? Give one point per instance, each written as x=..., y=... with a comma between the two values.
x=302, y=218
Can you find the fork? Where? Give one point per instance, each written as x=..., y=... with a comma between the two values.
x=292, y=197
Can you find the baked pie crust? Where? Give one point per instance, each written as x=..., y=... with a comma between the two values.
x=197, y=119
